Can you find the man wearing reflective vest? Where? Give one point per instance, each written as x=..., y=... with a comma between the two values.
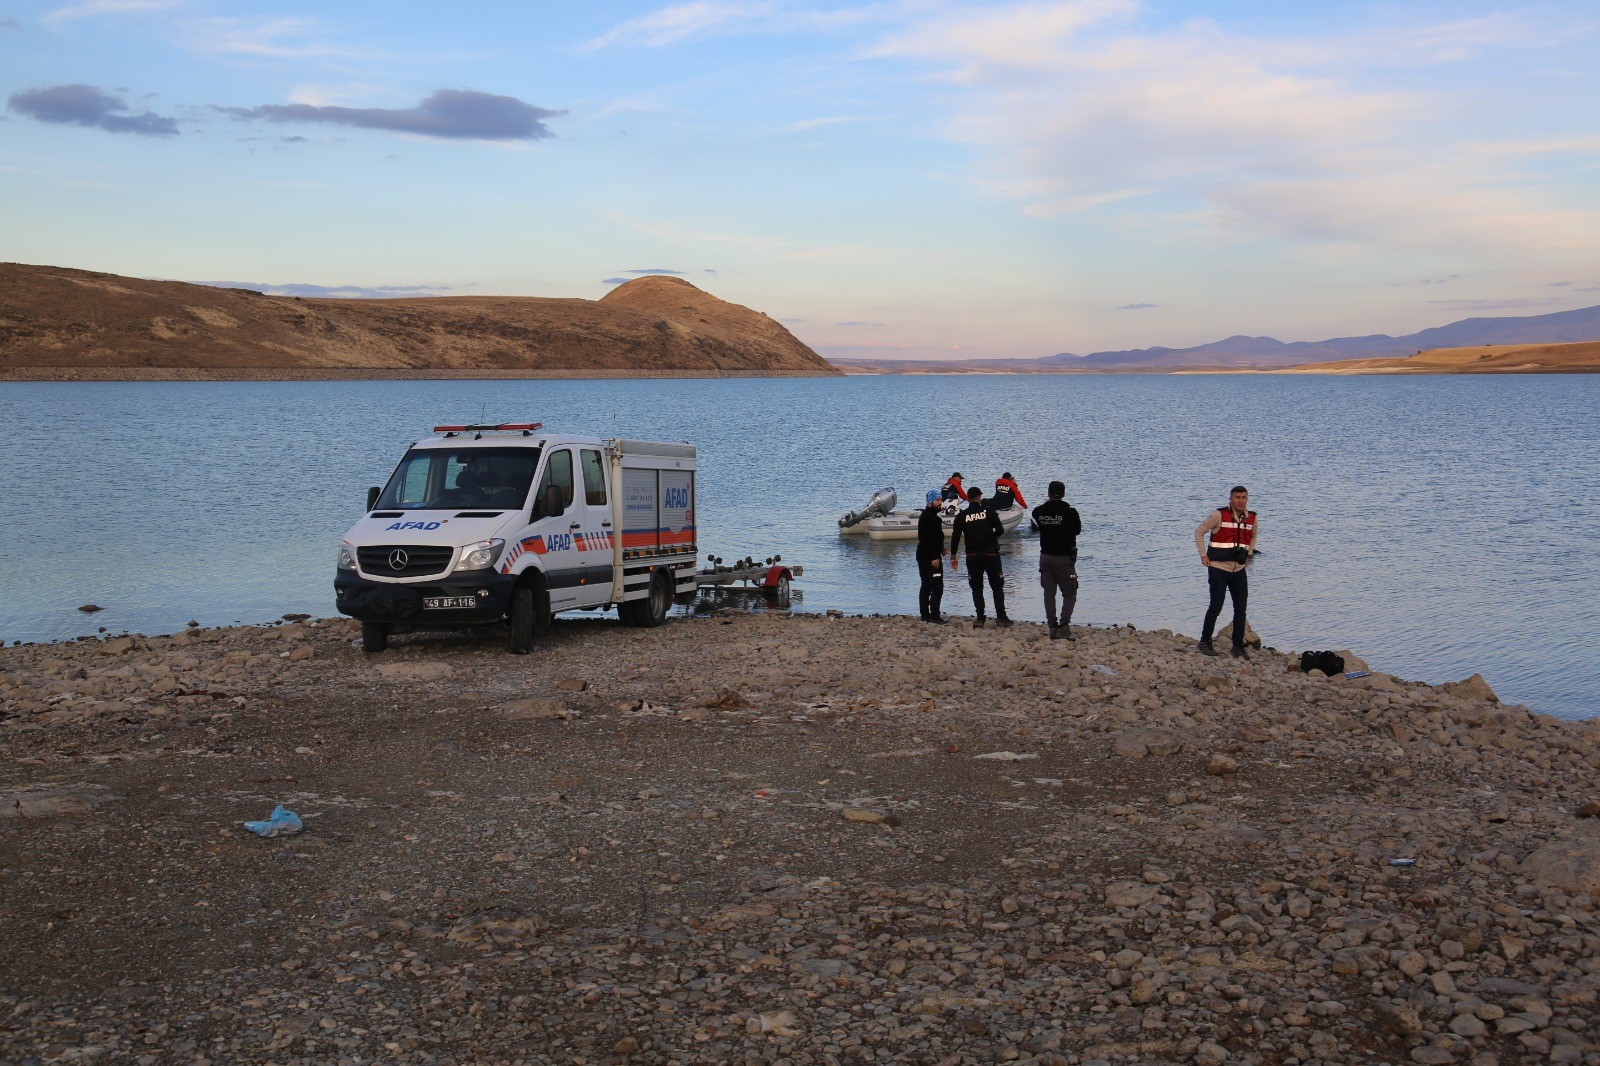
x=1233, y=532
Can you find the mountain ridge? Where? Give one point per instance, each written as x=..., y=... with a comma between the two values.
x=1245, y=352
x=59, y=322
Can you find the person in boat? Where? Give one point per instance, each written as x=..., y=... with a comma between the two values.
x=1226, y=539
x=1059, y=525
x=930, y=558
x=1007, y=494
x=980, y=524
x=953, y=488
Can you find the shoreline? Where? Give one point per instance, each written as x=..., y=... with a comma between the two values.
x=784, y=836
x=355, y=374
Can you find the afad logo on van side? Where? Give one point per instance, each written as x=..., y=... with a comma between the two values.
x=413, y=525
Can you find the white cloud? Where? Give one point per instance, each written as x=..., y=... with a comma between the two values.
x=332, y=95
x=102, y=8
x=681, y=21
x=282, y=38
x=1077, y=106
x=828, y=120
x=701, y=18
x=1004, y=38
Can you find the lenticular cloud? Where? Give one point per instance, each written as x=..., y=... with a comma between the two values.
x=451, y=114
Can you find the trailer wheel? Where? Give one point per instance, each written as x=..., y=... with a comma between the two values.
x=374, y=637
x=524, y=620
x=780, y=593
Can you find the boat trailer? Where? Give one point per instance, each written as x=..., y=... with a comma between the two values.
x=771, y=577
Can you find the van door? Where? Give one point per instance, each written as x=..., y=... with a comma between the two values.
x=595, y=535
x=554, y=521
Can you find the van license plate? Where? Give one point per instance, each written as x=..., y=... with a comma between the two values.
x=438, y=603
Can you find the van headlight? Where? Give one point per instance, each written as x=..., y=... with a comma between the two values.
x=480, y=555
x=347, y=556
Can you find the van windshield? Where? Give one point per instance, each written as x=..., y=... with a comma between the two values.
x=430, y=479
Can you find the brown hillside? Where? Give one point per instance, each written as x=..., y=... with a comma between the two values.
x=1579, y=357
x=58, y=322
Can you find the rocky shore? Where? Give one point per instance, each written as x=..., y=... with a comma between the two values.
x=774, y=838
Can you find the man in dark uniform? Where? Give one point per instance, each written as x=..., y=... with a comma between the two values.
x=930, y=559
x=980, y=524
x=1059, y=526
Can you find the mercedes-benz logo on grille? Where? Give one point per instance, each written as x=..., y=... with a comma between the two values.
x=398, y=559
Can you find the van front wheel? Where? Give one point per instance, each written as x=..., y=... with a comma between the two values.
x=374, y=637
x=524, y=619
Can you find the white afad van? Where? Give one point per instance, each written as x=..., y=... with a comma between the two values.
x=506, y=524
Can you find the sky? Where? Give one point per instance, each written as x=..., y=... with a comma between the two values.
x=909, y=179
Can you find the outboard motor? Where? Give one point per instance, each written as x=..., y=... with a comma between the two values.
x=883, y=501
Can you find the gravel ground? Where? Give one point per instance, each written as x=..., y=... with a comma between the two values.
x=774, y=838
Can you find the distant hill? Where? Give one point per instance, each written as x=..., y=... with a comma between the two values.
x=1265, y=352
x=56, y=322
x=1580, y=357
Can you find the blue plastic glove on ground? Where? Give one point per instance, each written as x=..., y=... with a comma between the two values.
x=283, y=823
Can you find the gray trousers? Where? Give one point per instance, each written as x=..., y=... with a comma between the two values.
x=1059, y=572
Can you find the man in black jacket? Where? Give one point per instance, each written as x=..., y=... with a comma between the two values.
x=980, y=524
x=1059, y=526
x=930, y=559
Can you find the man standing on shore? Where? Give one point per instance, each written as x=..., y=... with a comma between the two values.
x=930, y=558
x=1234, y=532
x=1059, y=526
x=980, y=524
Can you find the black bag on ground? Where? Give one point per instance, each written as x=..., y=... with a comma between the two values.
x=1328, y=662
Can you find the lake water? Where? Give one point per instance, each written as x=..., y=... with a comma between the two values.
x=1438, y=526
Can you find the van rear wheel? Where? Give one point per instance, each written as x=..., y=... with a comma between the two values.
x=374, y=637
x=652, y=610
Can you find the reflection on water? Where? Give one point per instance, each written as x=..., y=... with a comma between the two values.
x=711, y=599
x=1439, y=527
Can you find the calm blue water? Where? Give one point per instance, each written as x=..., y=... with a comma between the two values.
x=1438, y=526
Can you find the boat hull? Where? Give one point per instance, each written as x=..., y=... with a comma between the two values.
x=902, y=525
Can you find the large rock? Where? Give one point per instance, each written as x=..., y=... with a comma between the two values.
x=1129, y=893
x=536, y=708
x=423, y=671
x=1252, y=639
x=1137, y=743
x=1473, y=688
x=51, y=802
x=1352, y=661
x=1570, y=865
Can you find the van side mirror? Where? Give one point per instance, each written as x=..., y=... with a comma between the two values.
x=372, y=496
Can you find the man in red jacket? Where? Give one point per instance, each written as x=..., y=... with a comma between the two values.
x=1233, y=532
x=1006, y=493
